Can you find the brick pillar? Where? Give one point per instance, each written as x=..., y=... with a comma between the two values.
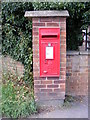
x=50, y=88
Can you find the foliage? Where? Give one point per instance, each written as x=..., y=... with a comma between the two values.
x=79, y=19
x=17, y=30
x=17, y=35
x=76, y=23
x=68, y=101
x=17, y=97
x=17, y=42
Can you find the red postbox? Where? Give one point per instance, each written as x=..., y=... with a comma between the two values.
x=49, y=52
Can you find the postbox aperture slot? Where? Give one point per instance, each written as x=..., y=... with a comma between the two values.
x=49, y=36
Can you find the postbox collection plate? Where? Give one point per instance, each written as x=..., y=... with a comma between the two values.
x=49, y=52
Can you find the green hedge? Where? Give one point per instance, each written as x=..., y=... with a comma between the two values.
x=17, y=29
x=79, y=19
x=17, y=42
x=17, y=35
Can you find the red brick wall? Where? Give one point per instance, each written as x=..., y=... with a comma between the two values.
x=77, y=73
x=50, y=88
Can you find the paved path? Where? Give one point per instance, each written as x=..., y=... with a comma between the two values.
x=78, y=109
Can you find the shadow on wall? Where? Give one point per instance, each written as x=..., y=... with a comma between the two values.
x=15, y=67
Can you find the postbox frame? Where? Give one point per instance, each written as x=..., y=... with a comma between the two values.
x=47, y=40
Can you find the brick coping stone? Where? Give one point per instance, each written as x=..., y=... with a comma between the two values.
x=47, y=13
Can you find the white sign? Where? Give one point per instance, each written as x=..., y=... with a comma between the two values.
x=49, y=52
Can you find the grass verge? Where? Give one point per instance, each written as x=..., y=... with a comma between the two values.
x=17, y=97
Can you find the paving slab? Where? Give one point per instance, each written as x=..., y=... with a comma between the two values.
x=77, y=109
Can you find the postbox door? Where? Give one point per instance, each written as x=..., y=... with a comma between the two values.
x=49, y=57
